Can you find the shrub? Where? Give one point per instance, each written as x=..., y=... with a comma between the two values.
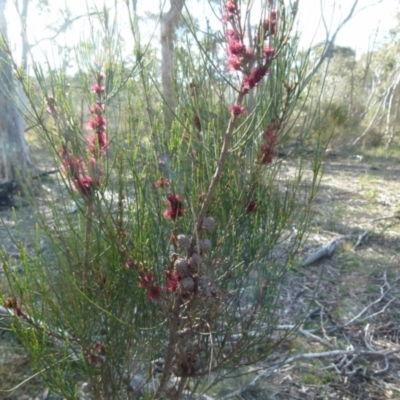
x=170, y=270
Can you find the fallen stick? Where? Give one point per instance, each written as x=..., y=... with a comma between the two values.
x=327, y=250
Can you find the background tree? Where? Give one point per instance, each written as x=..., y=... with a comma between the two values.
x=169, y=23
x=14, y=152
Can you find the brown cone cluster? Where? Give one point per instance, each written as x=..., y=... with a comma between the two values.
x=189, y=267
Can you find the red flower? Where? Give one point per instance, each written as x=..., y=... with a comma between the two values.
x=98, y=141
x=234, y=63
x=147, y=282
x=252, y=207
x=236, y=47
x=84, y=185
x=72, y=167
x=254, y=78
x=98, y=89
x=230, y=6
x=176, y=207
x=237, y=109
x=172, y=281
x=154, y=292
x=236, y=50
x=267, y=153
x=269, y=53
x=97, y=123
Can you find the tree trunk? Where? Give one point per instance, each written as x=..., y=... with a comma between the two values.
x=169, y=23
x=14, y=152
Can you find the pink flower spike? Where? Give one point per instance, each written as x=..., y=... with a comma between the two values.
x=102, y=138
x=98, y=122
x=99, y=142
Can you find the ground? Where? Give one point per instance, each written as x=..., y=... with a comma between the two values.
x=349, y=301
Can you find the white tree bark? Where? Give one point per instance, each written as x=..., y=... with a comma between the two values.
x=14, y=152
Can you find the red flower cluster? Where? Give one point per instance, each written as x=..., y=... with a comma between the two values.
x=238, y=55
x=86, y=177
x=175, y=209
x=74, y=169
x=254, y=63
x=146, y=281
x=268, y=150
x=97, y=123
x=269, y=24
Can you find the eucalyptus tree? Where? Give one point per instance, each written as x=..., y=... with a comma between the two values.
x=14, y=152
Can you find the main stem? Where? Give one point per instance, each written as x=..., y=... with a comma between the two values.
x=218, y=172
x=88, y=233
x=169, y=356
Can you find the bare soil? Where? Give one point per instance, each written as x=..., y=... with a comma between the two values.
x=349, y=300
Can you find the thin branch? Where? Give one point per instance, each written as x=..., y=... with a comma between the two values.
x=357, y=318
x=63, y=27
x=329, y=43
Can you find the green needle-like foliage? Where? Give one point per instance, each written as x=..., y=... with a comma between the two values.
x=140, y=272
